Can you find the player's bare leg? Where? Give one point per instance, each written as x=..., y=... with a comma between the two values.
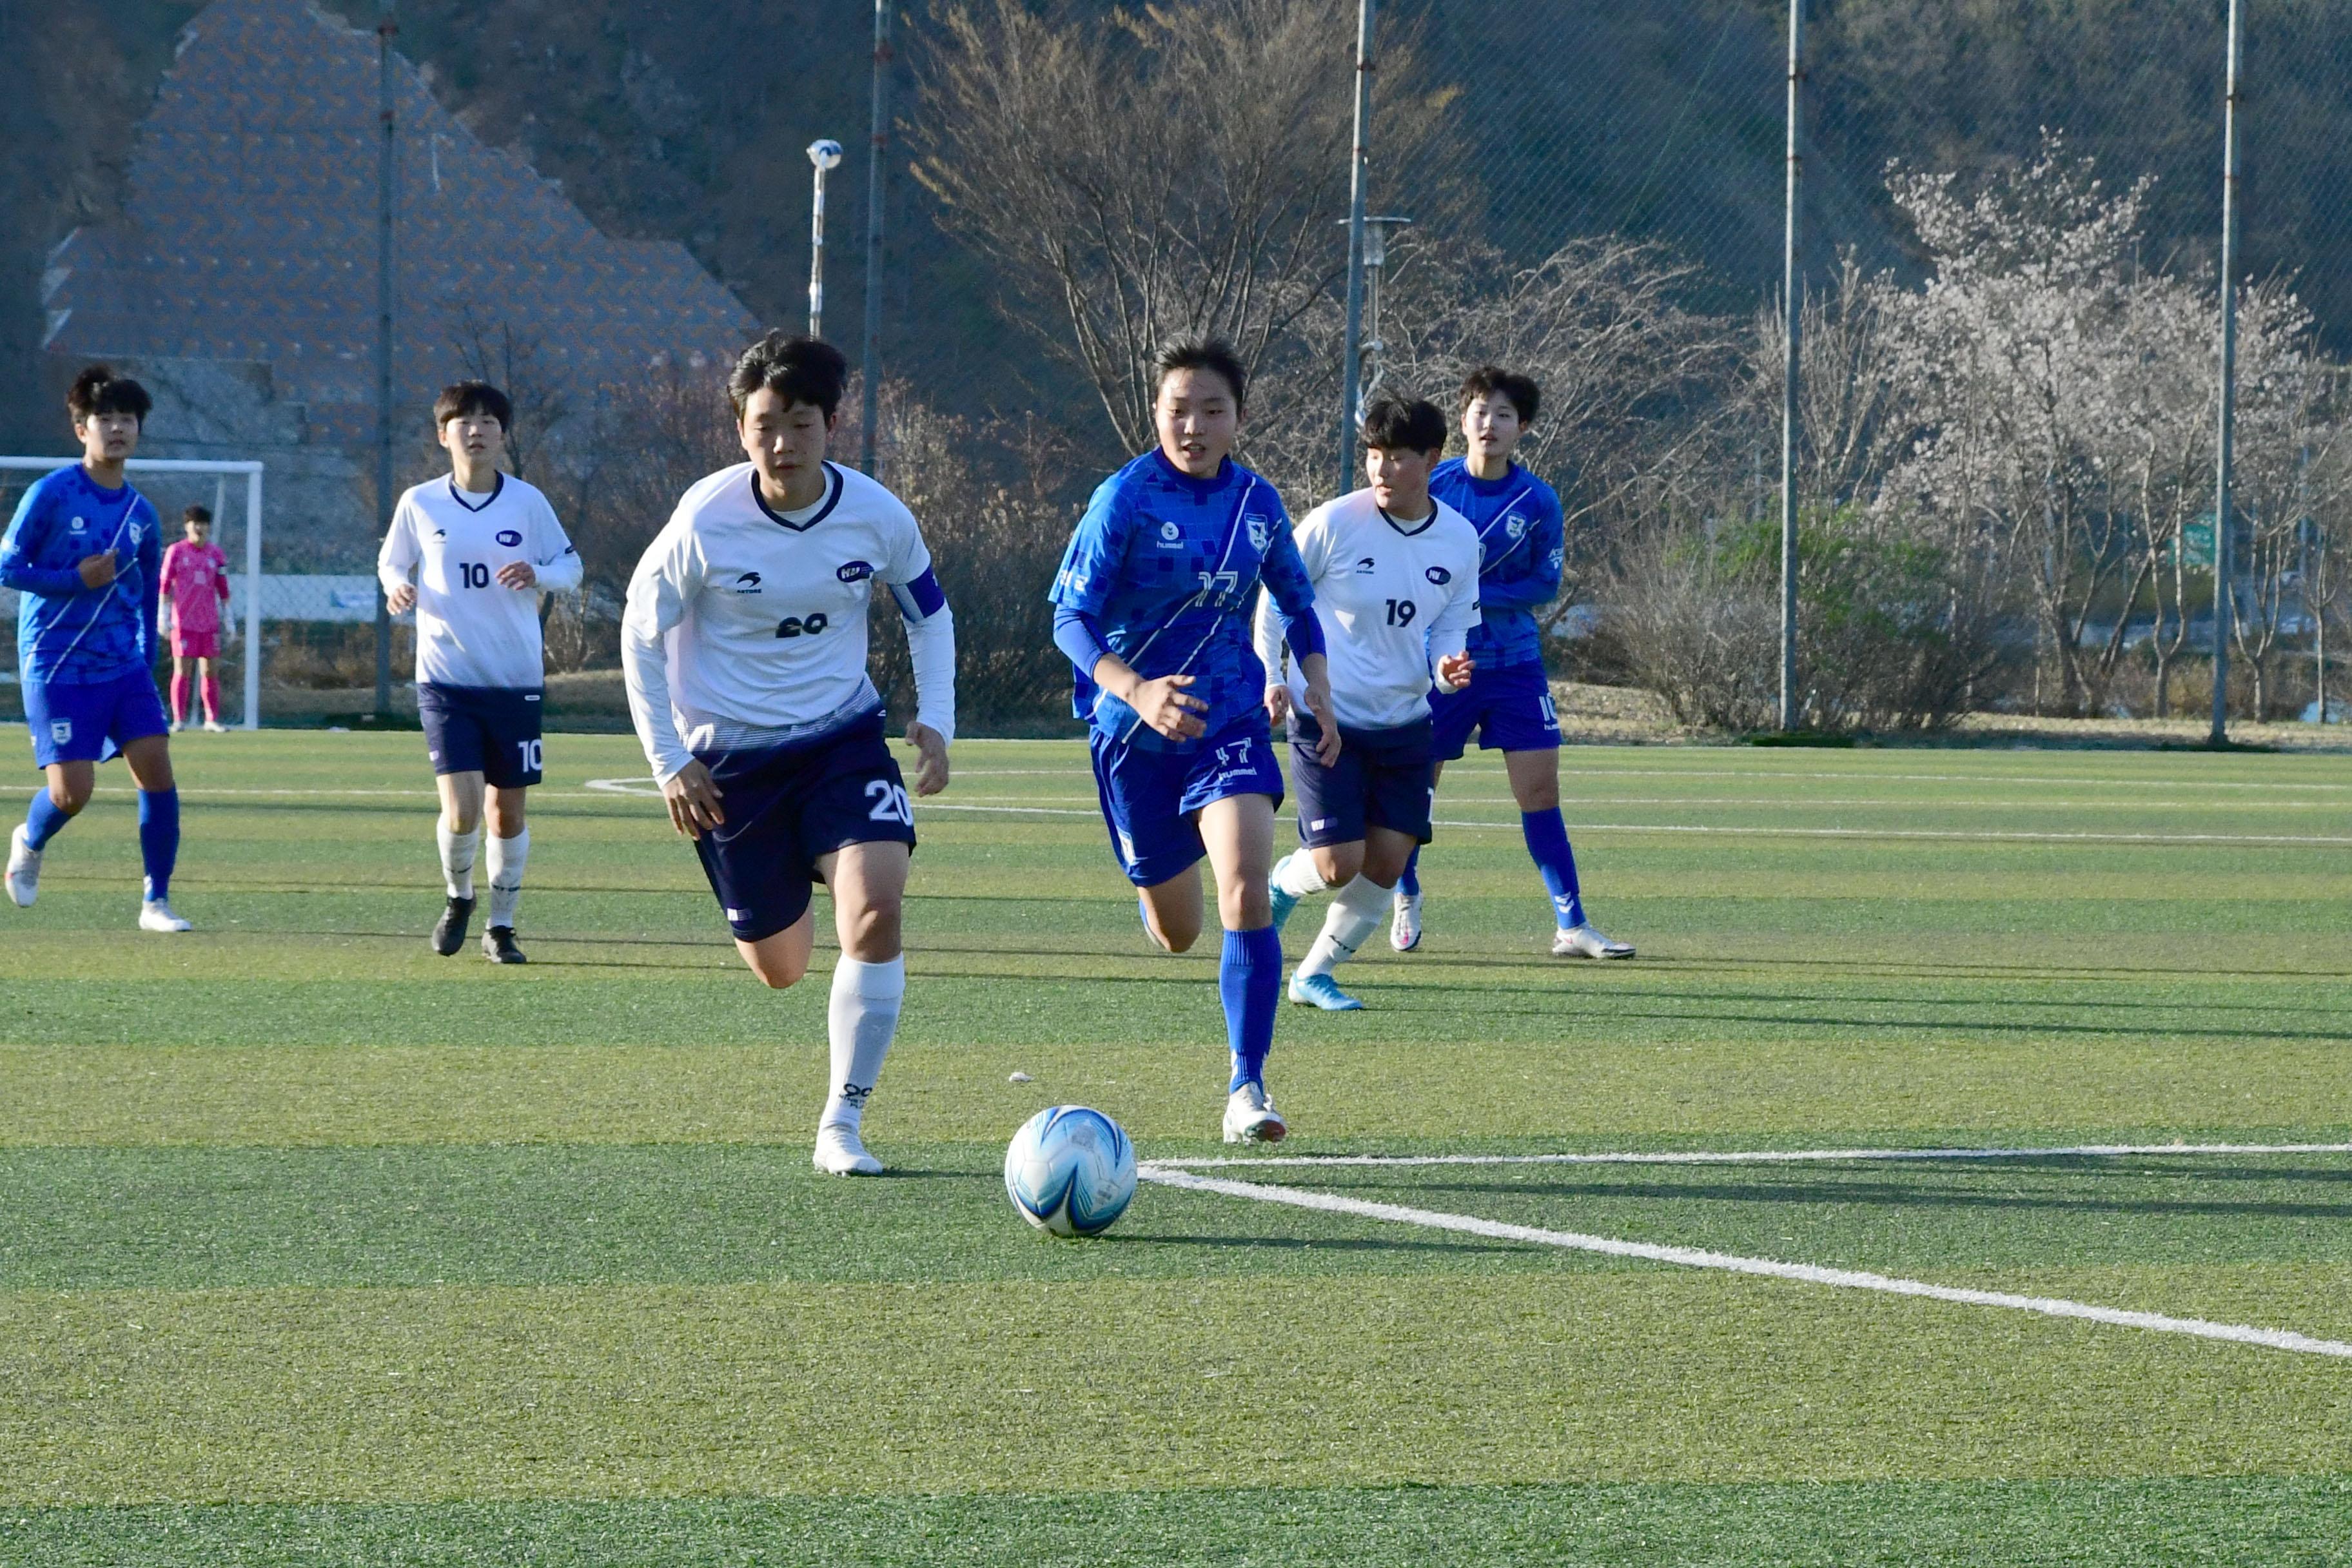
x=870, y=884
x=69, y=787
x=459, y=836
x=1174, y=910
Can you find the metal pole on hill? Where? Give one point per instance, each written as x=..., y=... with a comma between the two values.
x=387, y=180
x=869, y=356
x=1791, y=306
x=1352, y=365
x=2224, y=517
x=825, y=154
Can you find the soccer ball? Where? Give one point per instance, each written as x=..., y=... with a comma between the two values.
x=1070, y=1171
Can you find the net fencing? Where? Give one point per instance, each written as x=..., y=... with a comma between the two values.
x=2010, y=223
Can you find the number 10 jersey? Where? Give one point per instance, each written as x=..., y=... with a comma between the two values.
x=472, y=630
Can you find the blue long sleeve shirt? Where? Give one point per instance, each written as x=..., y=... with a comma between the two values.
x=1167, y=569
x=1522, y=542
x=66, y=633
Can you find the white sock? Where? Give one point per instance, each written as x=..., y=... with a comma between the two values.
x=457, y=858
x=1296, y=874
x=1354, y=915
x=508, y=856
x=861, y=1019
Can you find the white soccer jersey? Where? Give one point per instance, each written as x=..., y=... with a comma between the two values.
x=747, y=627
x=471, y=629
x=1393, y=601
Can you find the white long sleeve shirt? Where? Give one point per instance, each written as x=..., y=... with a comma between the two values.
x=1394, y=598
x=472, y=629
x=747, y=626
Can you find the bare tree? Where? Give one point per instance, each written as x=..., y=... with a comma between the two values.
x=1136, y=174
x=515, y=362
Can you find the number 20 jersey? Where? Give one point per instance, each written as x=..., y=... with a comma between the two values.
x=761, y=616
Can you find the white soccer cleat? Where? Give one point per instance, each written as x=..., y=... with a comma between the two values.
x=24, y=870
x=1587, y=941
x=215, y=727
x=176, y=727
x=840, y=1152
x=1405, y=925
x=155, y=914
x=1251, y=1118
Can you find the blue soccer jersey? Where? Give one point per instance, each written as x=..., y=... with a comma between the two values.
x=68, y=635
x=1168, y=568
x=1521, y=541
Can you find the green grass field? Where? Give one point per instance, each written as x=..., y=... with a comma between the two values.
x=315, y=1248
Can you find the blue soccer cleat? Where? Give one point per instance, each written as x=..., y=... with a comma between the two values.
x=1282, y=902
x=1322, y=991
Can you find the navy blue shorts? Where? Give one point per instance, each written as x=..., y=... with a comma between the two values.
x=90, y=723
x=1510, y=706
x=1384, y=778
x=1149, y=799
x=786, y=805
x=492, y=731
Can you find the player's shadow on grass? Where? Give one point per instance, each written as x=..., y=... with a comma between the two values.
x=1318, y=1244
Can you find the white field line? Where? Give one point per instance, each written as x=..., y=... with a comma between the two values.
x=1760, y=1156
x=1695, y=1258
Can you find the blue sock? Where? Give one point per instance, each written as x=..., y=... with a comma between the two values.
x=1410, y=883
x=1546, y=837
x=45, y=821
x=159, y=838
x=1249, y=982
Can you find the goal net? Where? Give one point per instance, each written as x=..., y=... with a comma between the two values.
x=171, y=484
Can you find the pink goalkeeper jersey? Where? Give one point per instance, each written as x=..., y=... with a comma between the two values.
x=195, y=579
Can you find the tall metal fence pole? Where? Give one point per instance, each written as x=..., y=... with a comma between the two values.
x=1352, y=363
x=1792, y=309
x=2224, y=516
x=388, y=175
x=823, y=153
x=878, y=147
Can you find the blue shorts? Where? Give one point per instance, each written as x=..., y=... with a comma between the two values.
x=492, y=731
x=1150, y=797
x=1510, y=706
x=90, y=723
x=786, y=805
x=1384, y=778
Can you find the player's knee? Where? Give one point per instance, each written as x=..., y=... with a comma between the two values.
x=1244, y=908
x=1541, y=795
x=778, y=971
x=1173, y=938
x=1338, y=864
x=872, y=932
x=69, y=797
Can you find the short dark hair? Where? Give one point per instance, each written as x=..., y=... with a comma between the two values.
x=1489, y=379
x=98, y=390
x=197, y=512
x=463, y=397
x=1199, y=353
x=1404, y=425
x=798, y=369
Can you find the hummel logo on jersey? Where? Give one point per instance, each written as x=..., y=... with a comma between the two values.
x=1170, y=535
x=1439, y=575
x=748, y=584
x=1365, y=567
x=856, y=572
x=509, y=538
x=78, y=525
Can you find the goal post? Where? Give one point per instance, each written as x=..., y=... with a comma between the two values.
x=224, y=470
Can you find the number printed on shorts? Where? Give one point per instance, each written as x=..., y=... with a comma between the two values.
x=1551, y=712
x=1401, y=612
x=890, y=803
x=532, y=752
x=474, y=573
x=801, y=626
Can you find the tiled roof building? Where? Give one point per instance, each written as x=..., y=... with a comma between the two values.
x=249, y=235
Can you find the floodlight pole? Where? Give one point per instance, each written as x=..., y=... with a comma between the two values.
x=2224, y=516
x=1352, y=364
x=1791, y=308
x=387, y=201
x=878, y=147
x=825, y=154
x=253, y=597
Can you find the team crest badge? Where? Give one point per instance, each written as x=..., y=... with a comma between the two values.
x=1259, y=532
x=854, y=572
x=1439, y=575
x=1514, y=525
x=61, y=730
x=509, y=538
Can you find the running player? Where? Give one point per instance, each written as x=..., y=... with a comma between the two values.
x=472, y=553
x=1153, y=607
x=745, y=648
x=195, y=584
x=1522, y=539
x=86, y=551
x=1396, y=589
